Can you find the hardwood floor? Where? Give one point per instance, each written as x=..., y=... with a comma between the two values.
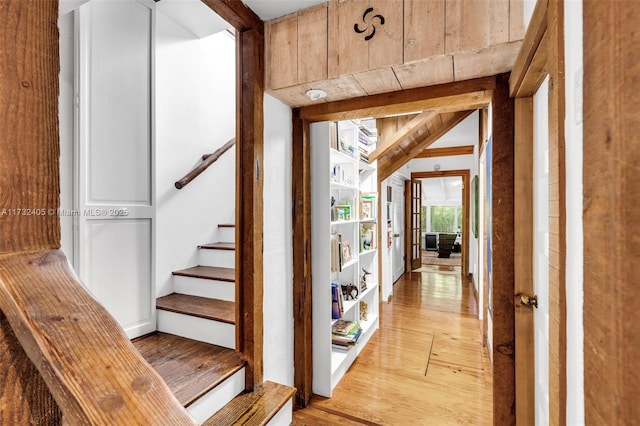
x=425, y=366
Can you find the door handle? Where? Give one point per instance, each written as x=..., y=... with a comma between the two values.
x=396, y=235
x=525, y=300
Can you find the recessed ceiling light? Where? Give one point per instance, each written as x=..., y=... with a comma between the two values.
x=315, y=94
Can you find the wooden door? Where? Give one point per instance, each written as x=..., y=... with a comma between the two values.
x=416, y=221
x=399, y=252
x=115, y=255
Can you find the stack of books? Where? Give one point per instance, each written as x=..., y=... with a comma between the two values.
x=345, y=334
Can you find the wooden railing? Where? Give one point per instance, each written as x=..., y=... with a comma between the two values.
x=207, y=160
x=91, y=370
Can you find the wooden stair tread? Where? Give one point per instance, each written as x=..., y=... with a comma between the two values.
x=208, y=273
x=190, y=368
x=226, y=225
x=218, y=246
x=202, y=307
x=253, y=408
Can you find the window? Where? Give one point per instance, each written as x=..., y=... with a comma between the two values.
x=445, y=218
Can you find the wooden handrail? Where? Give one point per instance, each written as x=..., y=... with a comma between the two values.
x=207, y=160
x=87, y=362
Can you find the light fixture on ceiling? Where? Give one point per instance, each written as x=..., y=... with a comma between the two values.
x=436, y=167
x=315, y=94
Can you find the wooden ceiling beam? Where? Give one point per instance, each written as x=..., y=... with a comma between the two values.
x=412, y=129
x=237, y=14
x=446, y=152
x=388, y=165
x=449, y=97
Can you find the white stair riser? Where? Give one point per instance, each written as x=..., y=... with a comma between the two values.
x=283, y=417
x=226, y=234
x=211, y=402
x=204, y=330
x=217, y=258
x=212, y=289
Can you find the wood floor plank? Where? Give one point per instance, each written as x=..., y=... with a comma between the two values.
x=315, y=417
x=190, y=368
x=202, y=307
x=387, y=382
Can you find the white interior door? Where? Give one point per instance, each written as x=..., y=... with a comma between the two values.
x=398, y=229
x=115, y=244
x=541, y=253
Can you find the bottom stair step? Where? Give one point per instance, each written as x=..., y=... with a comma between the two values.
x=256, y=408
x=193, y=370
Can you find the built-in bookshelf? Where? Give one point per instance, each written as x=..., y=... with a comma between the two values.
x=344, y=226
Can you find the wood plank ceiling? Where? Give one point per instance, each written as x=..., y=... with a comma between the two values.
x=350, y=49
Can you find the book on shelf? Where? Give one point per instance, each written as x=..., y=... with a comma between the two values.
x=368, y=236
x=336, y=301
x=336, y=252
x=347, y=340
x=342, y=212
x=345, y=333
x=344, y=327
x=368, y=205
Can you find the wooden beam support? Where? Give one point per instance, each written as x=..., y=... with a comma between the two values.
x=30, y=148
x=440, y=125
x=611, y=203
x=532, y=39
x=446, y=152
x=249, y=203
x=502, y=237
x=302, y=303
x=237, y=14
x=450, y=97
x=410, y=131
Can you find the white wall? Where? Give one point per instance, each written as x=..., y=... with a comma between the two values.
x=195, y=114
x=575, y=238
x=277, y=255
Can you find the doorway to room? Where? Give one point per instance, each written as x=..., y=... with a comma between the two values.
x=447, y=219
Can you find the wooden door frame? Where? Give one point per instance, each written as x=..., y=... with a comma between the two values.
x=496, y=91
x=465, y=174
x=542, y=55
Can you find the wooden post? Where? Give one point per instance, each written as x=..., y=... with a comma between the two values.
x=249, y=205
x=303, y=332
x=611, y=205
x=502, y=228
x=30, y=148
x=29, y=179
